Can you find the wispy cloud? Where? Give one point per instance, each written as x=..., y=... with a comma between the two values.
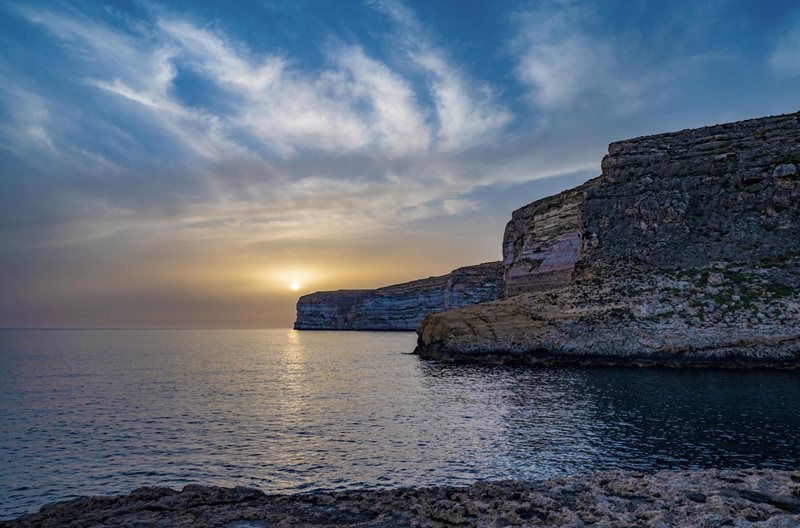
x=139, y=66
x=466, y=109
x=557, y=56
x=569, y=59
x=785, y=57
x=277, y=113
x=28, y=122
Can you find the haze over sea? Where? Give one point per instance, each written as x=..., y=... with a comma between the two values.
x=87, y=412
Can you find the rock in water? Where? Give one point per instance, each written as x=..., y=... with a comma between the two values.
x=685, y=251
x=402, y=306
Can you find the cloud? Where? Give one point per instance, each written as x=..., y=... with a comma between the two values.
x=361, y=144
x=466, y=110
x=28, y=121
x=568, y=59
x=396, y=121
x=282, y=127
x=279, y=107
x=464, y=119
x=558, y=59
x=785, y=57
x=138, y=66
x=357, y=105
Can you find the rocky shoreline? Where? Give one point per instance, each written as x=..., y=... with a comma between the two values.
x=699, y=498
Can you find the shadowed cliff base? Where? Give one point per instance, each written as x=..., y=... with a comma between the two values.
x=688, y=255
x=762, y=498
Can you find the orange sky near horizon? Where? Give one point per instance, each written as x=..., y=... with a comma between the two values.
x=224, y=282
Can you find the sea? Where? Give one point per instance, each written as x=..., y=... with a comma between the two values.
x=100, y=412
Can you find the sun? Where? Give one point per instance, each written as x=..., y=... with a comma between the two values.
x=294, y=286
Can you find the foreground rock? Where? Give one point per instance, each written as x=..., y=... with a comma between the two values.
x=684, y=252
x=402, y=306
x=709, y=498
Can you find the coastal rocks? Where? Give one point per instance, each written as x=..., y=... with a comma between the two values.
x=402, y=306
x=689, y=256
x=784, y=170
x=737, y=498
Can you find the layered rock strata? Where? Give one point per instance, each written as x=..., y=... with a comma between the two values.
x=755, y=498
x=542, y=242
x=689, y=255
x=402, y=306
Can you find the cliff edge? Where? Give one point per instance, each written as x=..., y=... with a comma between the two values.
x=401, y=306
x=684, y=252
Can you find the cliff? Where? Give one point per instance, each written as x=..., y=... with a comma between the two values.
x=685, y=251
x=542, y=242
x=402, y=306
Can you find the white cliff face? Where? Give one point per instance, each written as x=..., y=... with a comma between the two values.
x=402, y=306
x=689, y=255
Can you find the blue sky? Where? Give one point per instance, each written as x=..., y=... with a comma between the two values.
x=179, y=163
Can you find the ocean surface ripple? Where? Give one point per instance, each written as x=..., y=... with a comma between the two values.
x=103, y=412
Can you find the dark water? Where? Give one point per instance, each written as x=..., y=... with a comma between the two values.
x=102, y=412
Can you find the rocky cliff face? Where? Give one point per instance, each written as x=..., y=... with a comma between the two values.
x=689, y=254
x=542, y=242
x=402, y=306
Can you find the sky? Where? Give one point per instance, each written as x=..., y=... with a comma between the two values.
x=180, y=164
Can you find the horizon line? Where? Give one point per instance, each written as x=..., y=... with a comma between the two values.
x=139, y=328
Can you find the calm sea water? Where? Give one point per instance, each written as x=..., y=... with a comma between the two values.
x=103, y=412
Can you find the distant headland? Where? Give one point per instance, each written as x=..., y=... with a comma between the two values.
x=401, y=307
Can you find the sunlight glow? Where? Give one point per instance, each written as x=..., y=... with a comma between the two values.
x=294, y=286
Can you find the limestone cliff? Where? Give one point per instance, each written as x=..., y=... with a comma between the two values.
x=685, y=251
x=542, y=242
x=402, y=306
